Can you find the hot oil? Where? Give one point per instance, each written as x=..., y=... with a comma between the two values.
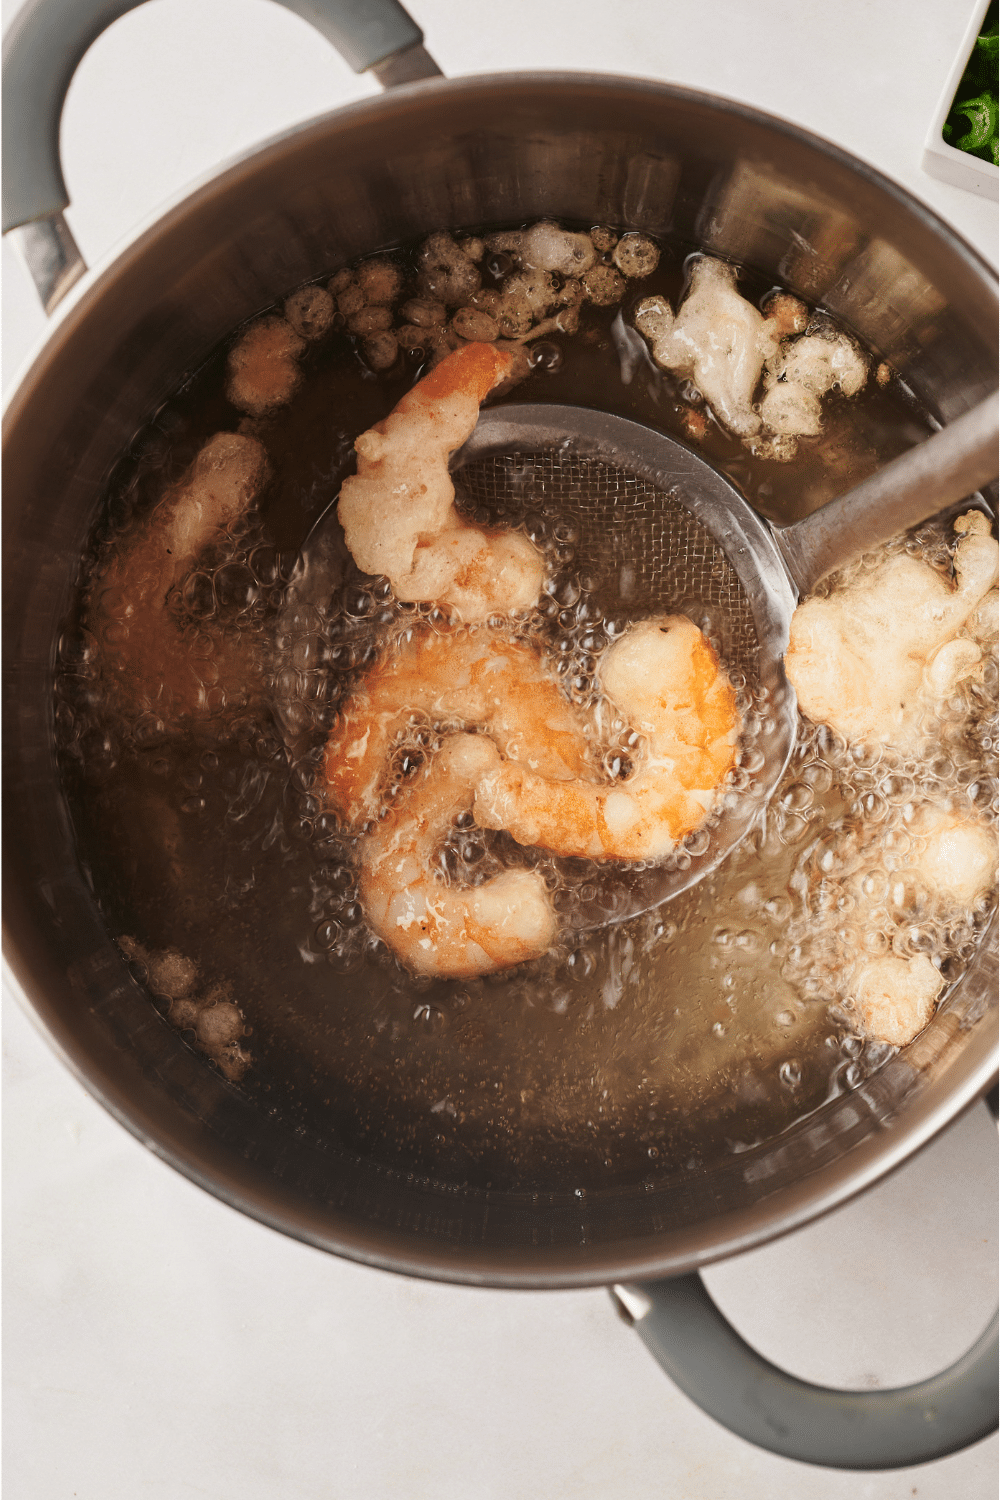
x=641, y=1050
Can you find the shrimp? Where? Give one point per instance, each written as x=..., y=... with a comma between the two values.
x=718, y=339
x=872, y=657
x=950, y=871
x=806, y=370
x=398, y=511
x=894, y=998
x=432, y=927
x=471, y=678
x=666, y=680
x=957, y=857
x=132, y=605
x=530, y=771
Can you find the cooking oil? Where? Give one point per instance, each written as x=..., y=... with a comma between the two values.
x=634, y=1052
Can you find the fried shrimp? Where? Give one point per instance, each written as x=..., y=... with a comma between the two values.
x=136, y=609
x=474, y=678
x=667, y=682
x=873, y=657
x=723, y=343
x=718, y=339
x=398, y=511
x=530, y=770
x=432, y=927
x=894, y=998
x=955, y=862
x=957, y=857
x=881, y=893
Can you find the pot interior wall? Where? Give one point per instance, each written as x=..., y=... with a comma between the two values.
x=586, y=150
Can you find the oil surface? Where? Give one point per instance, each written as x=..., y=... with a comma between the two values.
x=642, y=1049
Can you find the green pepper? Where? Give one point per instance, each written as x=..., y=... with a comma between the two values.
x=972, y=123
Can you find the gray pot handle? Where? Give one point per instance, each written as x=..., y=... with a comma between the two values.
x=41, y=52
x=714, y=1365
x=912, y=1424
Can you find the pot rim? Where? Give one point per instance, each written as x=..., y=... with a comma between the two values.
x=75, y=304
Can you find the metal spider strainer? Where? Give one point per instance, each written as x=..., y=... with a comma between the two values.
x=667, y=532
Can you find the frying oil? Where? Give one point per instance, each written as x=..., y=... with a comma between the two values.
x=632, y=1051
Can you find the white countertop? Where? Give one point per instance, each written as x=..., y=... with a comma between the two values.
x=160, y=1345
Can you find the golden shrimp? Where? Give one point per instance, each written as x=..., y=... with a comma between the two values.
x=718, y=339
x=434, y=928
x=666, y=680
x=531, y=771
x=132, y=606
x=398, y=511
x=891, y=998
x=871, y=658
x=465, y=678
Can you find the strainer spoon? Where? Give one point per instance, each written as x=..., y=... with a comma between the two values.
x=661, y=529
x=666, y=531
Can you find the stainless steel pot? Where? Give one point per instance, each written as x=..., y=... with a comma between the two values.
x=432, y=153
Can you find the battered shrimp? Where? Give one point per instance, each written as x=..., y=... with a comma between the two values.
x=806, y=370
x=133, y=607
x=955, y=861
x=873, y=657
x=432, y=927
x=723, y=344
x=529, y=771
x=718, y=339
x=666, y=681
x=894, y=998
x=398, y=512
x=470, y=678
x=955, y=857
x=949, y=871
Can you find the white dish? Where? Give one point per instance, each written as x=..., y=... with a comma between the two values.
x=946, y=162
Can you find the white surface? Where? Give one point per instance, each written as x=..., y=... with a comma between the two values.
x=159, y=1345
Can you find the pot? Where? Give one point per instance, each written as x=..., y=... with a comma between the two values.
x=432, y=153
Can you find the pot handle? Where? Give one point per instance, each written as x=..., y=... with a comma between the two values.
x=42, y=49
x=714, y=1365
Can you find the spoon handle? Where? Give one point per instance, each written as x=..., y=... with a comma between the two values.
x=937, y=473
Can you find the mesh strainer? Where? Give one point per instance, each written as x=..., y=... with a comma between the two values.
x=663, y=531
